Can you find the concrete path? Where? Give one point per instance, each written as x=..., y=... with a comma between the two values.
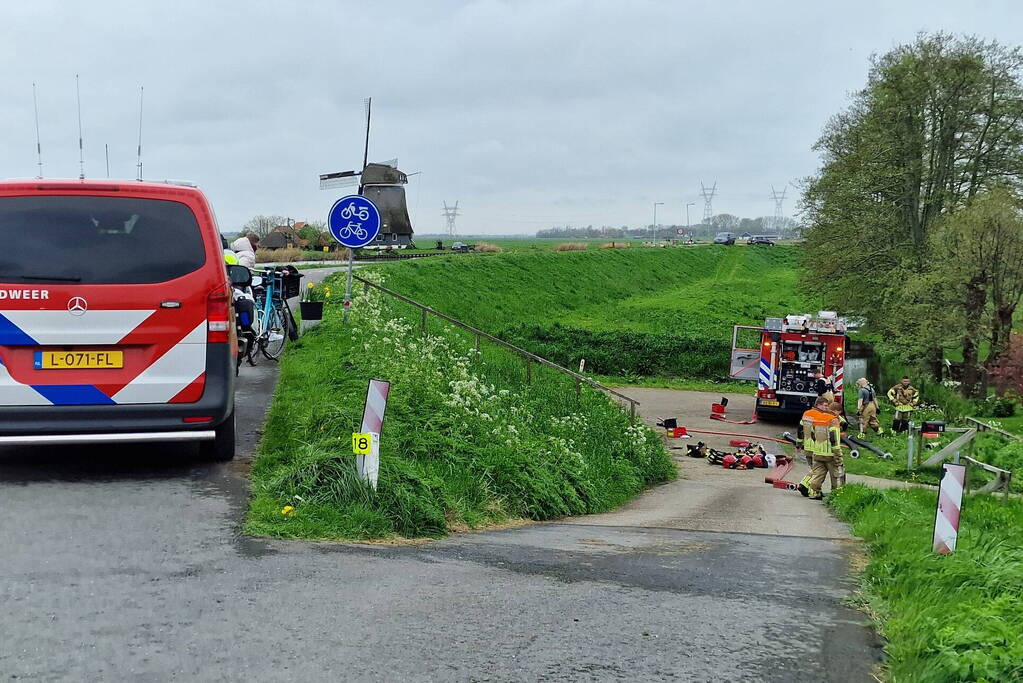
x=710, y=498
x=127, y=564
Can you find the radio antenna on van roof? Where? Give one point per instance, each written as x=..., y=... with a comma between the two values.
x=39, y=144
x=139, y=166
x=81, y=147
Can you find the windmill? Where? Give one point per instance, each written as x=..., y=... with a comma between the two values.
x=330, y=181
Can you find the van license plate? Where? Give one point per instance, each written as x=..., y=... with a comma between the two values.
x=765, y=402
x=79, y=360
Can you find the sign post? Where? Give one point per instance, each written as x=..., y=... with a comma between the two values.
x=366, y=444
x=950, y=503
x=354, y=222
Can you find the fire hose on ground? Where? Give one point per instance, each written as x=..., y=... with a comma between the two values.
x=852, y=443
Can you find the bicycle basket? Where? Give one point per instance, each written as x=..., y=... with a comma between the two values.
x=291, y=284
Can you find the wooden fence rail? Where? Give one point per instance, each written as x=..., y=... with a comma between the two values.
x=530, y=358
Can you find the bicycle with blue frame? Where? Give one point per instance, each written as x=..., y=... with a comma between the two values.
x=274, y=323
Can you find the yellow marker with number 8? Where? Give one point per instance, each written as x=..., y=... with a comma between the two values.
x=362, y=443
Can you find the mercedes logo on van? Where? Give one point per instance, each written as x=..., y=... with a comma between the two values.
x=77, y=306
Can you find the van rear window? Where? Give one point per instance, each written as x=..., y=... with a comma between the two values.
x=97, y=240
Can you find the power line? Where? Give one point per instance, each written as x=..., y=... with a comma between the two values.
x=450, y=213
x=708, y=200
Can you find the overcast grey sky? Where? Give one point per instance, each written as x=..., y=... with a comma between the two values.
x=529, y=113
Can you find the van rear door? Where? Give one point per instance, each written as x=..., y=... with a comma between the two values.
x=103, y=300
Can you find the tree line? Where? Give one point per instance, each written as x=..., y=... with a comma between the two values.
x=724, y=222
x=915, y=218
x=314, y=232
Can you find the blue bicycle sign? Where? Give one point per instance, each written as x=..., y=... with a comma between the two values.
x=354, y=221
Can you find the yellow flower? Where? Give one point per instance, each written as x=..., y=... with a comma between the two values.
x=287, y=510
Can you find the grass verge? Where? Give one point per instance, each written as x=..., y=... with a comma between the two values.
x=467, y=440
x=946, y=618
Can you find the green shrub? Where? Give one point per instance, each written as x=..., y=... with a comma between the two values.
x=996, y=406
x=621, y=352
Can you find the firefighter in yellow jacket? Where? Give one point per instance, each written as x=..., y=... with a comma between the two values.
x=905, y=398
x=820, y=435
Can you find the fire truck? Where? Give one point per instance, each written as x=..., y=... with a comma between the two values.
x=791, y=350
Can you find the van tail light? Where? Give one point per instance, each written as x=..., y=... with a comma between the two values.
x=218, y=315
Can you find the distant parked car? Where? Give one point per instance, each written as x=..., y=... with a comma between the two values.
x=725, y=238
x=461, y=246
x=767, y=240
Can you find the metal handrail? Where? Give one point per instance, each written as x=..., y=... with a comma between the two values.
x=530, y=357
x=951, y=449
x=985, y=427
x=1003, y=478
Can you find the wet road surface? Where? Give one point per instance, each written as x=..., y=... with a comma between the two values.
x=127, y=564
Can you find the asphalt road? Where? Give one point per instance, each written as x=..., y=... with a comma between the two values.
x=127, y=564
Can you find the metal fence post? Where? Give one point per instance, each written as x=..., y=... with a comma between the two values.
x=909, y=448
x=424, y=322
x=529, y=371
x=477, y=345
x=578, y=390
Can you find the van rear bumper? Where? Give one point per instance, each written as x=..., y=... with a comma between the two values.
x=136, y=437
x=26, y=425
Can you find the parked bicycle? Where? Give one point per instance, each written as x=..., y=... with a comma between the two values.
x=274, y=323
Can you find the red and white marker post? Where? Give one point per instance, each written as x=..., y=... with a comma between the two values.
x=950, y=503
x=368, y=465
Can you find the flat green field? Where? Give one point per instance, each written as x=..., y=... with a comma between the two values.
x=516, y=244
x=629, y=312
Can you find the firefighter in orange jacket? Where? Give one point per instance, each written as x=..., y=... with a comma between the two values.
x=820, y=435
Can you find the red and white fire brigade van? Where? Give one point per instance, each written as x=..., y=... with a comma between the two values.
x=115, y=316
x=790, y=351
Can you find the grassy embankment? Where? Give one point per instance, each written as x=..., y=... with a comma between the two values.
x=946, y=618
x=630, y=313
x=655, y=317
x=467, y=442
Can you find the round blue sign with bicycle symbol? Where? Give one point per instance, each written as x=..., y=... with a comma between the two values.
x=354, y=221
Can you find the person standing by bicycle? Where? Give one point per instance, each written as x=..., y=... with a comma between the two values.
x=245, y=249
